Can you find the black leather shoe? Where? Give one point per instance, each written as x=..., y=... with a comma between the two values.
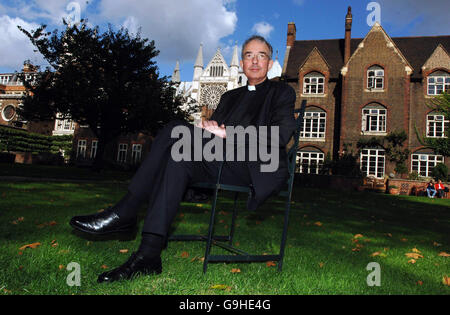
x=137, y=264
x=101, y=223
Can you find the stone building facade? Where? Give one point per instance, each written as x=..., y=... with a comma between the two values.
x=358, y=88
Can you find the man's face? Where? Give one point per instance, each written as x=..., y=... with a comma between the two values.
x=256, y=62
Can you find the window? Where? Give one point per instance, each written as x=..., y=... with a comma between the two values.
x=122, y=154
x=436, y=125
x=373, y=119
x=438, y=82
x=314, y=124
x=81, y=150
x=94, y=146
x=64, y=124
x=309, y=162
x=423, y=163
x=136, y=152
x=372, y=162
x=4, y=79
x=8, y=112
x=375, y=78
x=313, y=83
x=216, y=71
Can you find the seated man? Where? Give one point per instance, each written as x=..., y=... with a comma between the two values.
x=431, y=191
x=162, y=179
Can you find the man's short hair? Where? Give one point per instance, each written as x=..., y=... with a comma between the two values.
x=258, y=38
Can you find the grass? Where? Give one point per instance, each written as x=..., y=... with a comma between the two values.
x=322, y=255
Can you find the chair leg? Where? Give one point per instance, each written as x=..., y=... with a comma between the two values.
x=210, y=231
x=233, y=220
x=284, y=235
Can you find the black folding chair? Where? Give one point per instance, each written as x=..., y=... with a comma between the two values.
x=219, y=240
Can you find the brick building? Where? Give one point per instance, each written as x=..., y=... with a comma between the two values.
x=11, y=93
x=358, y=88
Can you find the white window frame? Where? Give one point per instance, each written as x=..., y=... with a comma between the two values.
x=313, y=157
x=373, y=162
x=136, y=153
x=436, y=125
x=94, y=147
x=434, y=87
x=314, y=82
x=375, y=75
x=314, y=125
x=81, y=149
x=122, y=153
x=373, y=116
x=423, y=163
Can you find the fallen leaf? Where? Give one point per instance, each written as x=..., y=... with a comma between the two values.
x=419, y=282
x=104, y=266
x=220, y=287
x=446, y=281
x=443, y=254
x=33, y=245
x=61, y=267
x=355, y=249
x=415, y=250
x=412, y=261
x=270, y=264
x=403, y=239
x=184, y=255
x=123, y=251
x=375, y=254
x=436, y=244
x=318, y=223
x=358, y=236
x=52, y=223
x=321, y=264
x=55, y=245
x=413, y=255
x=235, y=270
x=388, y=234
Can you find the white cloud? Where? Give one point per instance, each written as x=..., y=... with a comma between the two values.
x=263, y=28
x=15, y=46
x=176, y=27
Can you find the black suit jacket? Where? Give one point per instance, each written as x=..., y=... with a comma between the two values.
x=276, y=102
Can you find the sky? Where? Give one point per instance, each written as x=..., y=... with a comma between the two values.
x=179, y=26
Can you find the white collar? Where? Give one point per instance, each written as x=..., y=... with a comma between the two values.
x=251, y=87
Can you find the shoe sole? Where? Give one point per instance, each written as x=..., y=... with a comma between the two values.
x=123, y=230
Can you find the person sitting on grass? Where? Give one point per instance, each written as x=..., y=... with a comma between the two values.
x=431, y=191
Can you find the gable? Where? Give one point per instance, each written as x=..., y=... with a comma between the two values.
x=438, y=59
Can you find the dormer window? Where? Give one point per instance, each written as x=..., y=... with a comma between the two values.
x=375, y=78
x=313, y=83
x=438, y=82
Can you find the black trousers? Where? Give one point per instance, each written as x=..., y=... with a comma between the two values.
x=164, y=181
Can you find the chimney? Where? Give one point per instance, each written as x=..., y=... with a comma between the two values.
x=348, y=34
x=291, y=34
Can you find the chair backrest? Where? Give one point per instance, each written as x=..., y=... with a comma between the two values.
x=292, y=154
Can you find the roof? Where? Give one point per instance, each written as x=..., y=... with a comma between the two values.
x=416, y=50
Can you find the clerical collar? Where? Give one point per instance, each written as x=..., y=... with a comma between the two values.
x=255, y=87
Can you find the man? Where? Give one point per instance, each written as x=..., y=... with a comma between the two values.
x=162, y=181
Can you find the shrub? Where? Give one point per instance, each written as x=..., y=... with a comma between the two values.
x=440, y=171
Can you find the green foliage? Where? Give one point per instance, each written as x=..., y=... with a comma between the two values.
x=393, y=146
x=441, y=146
x=413, y=175
x=22, y=141
x=440, y=171
x=108, y=81
x=345, y=164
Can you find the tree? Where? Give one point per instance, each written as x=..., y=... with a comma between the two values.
x=441, y=104
x=107, y=81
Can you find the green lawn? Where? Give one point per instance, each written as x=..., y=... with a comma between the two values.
x=324, y=254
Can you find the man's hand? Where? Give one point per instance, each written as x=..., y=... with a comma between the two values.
x=213, y=127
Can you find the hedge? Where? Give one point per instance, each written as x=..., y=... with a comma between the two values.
x=18, y=140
